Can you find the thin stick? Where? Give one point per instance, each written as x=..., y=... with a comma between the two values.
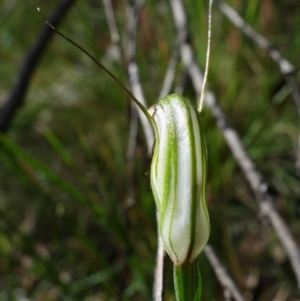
x=133, y=12
x=30, y=62
x=226, y=281
x=158, y=286
x=207, y=58
x=281, y=295
x=133, y=129
x=111, y=20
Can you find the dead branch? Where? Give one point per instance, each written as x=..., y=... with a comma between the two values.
x=22, y=81
x=229, y=287
x=133, y=12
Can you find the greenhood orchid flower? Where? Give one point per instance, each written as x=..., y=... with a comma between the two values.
x=178, y=179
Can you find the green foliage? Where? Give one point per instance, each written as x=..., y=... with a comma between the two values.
x=69, y=229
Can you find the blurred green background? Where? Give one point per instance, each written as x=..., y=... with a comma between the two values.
x=69, y=229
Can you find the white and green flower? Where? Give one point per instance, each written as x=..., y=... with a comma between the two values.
x=178, y=179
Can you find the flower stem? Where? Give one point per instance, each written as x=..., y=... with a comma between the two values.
x=188, y=282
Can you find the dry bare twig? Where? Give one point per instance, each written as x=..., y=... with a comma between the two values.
x=281, y=295
x=29, y=64
x=158, y=287
x=230, y=289
x=133, y=129
x=133, y=11
x=111, y=20
x=254, y=177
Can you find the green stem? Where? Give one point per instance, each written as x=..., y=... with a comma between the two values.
x=188, y=282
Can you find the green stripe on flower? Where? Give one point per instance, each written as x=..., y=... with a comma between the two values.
x=178, y=178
